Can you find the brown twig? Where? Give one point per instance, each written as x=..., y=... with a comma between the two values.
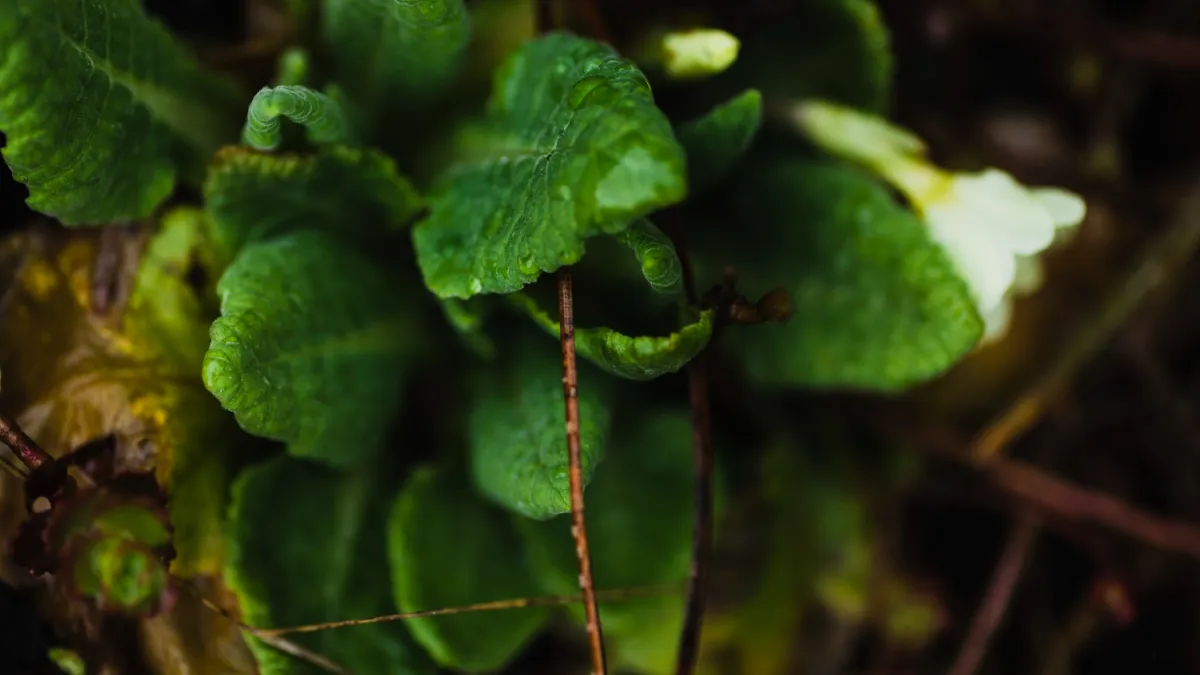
x=546, y=19
x=702, y=516
x=30, y=454
x=995, y=603
x=1066, y=500
x=688, y=652
x=1160, y=263
x=493, y=606
x=587, y=585
x=1059, y=498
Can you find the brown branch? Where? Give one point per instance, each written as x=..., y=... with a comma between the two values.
x=1066, y=500
x=30, y=454
x=1054, y=496
x=702, y=516
x=995, y=603
x=688, y=652
x=546, y=18
x=566, y=311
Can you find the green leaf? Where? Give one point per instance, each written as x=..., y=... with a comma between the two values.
x=634, y=358
x=168, y=317
x=308, y=545
x=576, y=148
x=387, y=52
x=322, y=117
x=517, y=434
x=102, y=109
x=845, y=55
x=656, y=254
x=293, y=67
x=448, y=548
x=878, y=305
x=354, y=194
x=311, y=347
x=718, y=140
x=640, y=533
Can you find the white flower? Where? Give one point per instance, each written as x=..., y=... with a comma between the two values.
x=991, y=226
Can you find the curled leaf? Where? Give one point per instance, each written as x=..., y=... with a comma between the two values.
x=321, y=116
x=634, y=358
x=656, y=254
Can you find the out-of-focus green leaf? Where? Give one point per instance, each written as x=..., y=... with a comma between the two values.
x=634, y=358
x=639, y=530
x=321, y=116
x=166, y=314
x=573, y=147
x=353, y=194
x=312, y=346
x=449, y=548
x=517, y=434
x=308, y=544
x=293, y=68
x=844, y=55
x=393, y=52
x=102, y=109
x=656, y=254
x=716, y=141
x=467, y=318
x=878, y=304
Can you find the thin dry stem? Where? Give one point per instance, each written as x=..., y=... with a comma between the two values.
x=566, y=310
x=688, y=653
x=995, y=603
x=493, y=606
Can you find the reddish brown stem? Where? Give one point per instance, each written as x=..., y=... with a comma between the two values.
x=688, y=653
x=30, y=454
x=702, y=517
x=566, y=310
x=995, y=603
x=1065, y=500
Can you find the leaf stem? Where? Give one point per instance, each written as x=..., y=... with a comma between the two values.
x=566, y=310
x=688, y=653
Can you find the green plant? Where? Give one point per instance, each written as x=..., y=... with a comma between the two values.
x=302, y=298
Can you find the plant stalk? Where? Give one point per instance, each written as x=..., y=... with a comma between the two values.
x=566, y=310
